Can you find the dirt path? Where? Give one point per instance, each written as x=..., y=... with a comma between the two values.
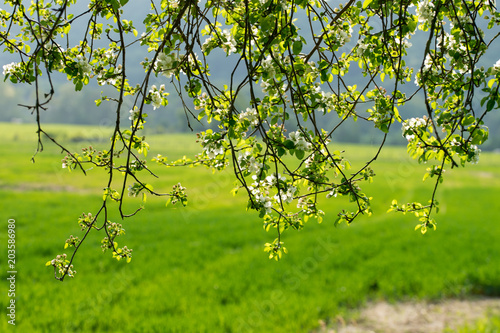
x=417, y=317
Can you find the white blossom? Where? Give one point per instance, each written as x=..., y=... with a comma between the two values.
x=212, y=148
x=112, y=80
x=332, y=193
x=165, y=64
x=410, y=125
x=156, y=100
x=10, y=68
x=266, y=202
x=83, y=65
x=446, y=42
x=286, y=197
x=425, y=11
x=134, y=113
x=362, y=47
x=406, y=42
x=496, y=67
x=455, y=142
x=475, y=154
x=109, y=54
x=250, y=114
x=273, y=179
x=174, y=3
x=299, y=141
x=229, y=45
x=156, y=96
x=428, y=62
x=206, y=43
x=345, y=36
x=249, y=163
x=131, y=192
x=268, y=66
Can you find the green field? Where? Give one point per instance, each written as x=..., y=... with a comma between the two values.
x=203, y=269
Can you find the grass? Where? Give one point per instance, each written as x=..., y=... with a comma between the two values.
x=202, y=268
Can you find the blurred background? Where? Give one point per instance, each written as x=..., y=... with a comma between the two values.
x=202, y=268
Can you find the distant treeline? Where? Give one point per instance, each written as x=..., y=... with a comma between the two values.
x=70, y=107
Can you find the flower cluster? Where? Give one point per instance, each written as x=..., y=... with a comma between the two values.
x=410, y=126
x=405, y=42
x=86, y=221
x=364, y=46
x=249, y=163
x=174, y=3
x=425, y=11
x=300, y=141
x=123, y=253
x=286, y=196
x=447, y=42
x=228, y=42
x=308, y=206
x=111, y=76
x=134, y=113
x=473, y=155
x=344, y=36
x=332, y=193
x=71, y=241
x=268, y=67
x=137, y=165
x=114, y=230
x=84, y=68
x=201, y=101
x=178, y=194
x=496, y=67
x=226, y=39
x=157, y=96
x=166, y=64
x=251, y=115
x=61, y=264
x=212, y=145
x=260, y=190
x=11, y=68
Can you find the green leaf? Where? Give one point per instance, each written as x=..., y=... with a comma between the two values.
x=289, y=144
x=267, y=23
x=366, y=3
x=466, y=121
x=324, y=75
x=490, y=105
x=426, y=175
x=78, y=85
x=297, y=47
x=484, y=100
x=300, y=154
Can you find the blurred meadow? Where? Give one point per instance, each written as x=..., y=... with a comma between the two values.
x=202, y=268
